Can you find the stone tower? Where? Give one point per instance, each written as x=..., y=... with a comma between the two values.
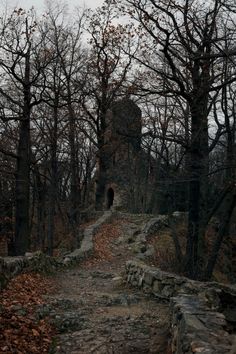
x=122, y=148
x=132, y=179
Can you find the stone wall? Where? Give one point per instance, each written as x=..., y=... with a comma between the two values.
x=201, y=312
x=86, y=248
x=11, y=266
x=197, y=329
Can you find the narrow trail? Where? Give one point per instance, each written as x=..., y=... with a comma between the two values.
x=96, y=312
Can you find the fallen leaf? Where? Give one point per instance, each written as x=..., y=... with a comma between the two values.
x=35, y=333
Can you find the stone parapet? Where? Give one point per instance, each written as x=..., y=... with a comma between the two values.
x=202, y=320
x=196, y=329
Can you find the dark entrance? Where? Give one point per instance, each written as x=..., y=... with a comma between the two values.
x=110, y=198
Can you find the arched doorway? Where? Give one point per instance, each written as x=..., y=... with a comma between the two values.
x=110, y=197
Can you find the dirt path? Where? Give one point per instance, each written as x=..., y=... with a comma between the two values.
x=95, y=312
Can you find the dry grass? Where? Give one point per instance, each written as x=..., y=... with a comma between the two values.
x=165, y=258
x=163, y=244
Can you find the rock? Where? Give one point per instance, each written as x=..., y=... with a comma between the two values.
x=180, y=216
x=211, y=298
x=67, y=322
x=19, y=310
x=29, y=254
x=196, y=329
x=192, y=323
x=156, y=224
x=230, y=314
x=138, y=247
x=43, y=311
x=167, y=291
x=149, y=278
x=157, y=287
x=117, y=281
x=199, y=347
x=141, y=256
x=150, y=252
x=233, y=347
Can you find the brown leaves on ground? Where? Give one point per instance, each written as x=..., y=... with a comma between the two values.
x=102, y=243
x=20, y=331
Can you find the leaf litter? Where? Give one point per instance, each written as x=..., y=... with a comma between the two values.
x=21, y=331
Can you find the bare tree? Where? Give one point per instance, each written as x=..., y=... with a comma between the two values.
x=23, y=59
x=107, y=79
x=186, y=37
x=67, y=41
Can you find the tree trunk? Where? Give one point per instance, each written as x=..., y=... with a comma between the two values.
x=53, y=181
x=22, y=189
x=41, y=211
x=102, y=161
x=229, y=206
x=74, y=185
x=198, y=185
x=23, y=169
x=100, y=183
x=51, y=221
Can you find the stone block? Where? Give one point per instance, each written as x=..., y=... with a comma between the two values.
x=129, y=265
x=141, y=238
x=141, y=256
x=167, y=291
x=129, y=278
x=169, y=281
x=148, y=278
x=200, y=347
x=150, y=251
x=156, y=224
x=192, y=323
x=180, y=216
x=134, y=282
x=147, y=289
x=140, y=282
x=157, y=287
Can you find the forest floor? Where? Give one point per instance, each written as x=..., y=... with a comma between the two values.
x=89, y=308
x=94, y=311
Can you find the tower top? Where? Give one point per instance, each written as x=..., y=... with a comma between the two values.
x=124, y=122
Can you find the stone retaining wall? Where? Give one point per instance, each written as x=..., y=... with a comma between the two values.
x=12, y=266
x=200, y=311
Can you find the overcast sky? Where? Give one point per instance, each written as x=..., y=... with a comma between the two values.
x=39, y=4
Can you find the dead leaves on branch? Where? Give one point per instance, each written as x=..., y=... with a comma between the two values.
x=20, y=330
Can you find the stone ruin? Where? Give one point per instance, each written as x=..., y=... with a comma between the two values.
x=131, y=174
x=126, y=163
x=123, y=144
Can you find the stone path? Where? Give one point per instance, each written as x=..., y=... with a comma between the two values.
x=95, y=312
